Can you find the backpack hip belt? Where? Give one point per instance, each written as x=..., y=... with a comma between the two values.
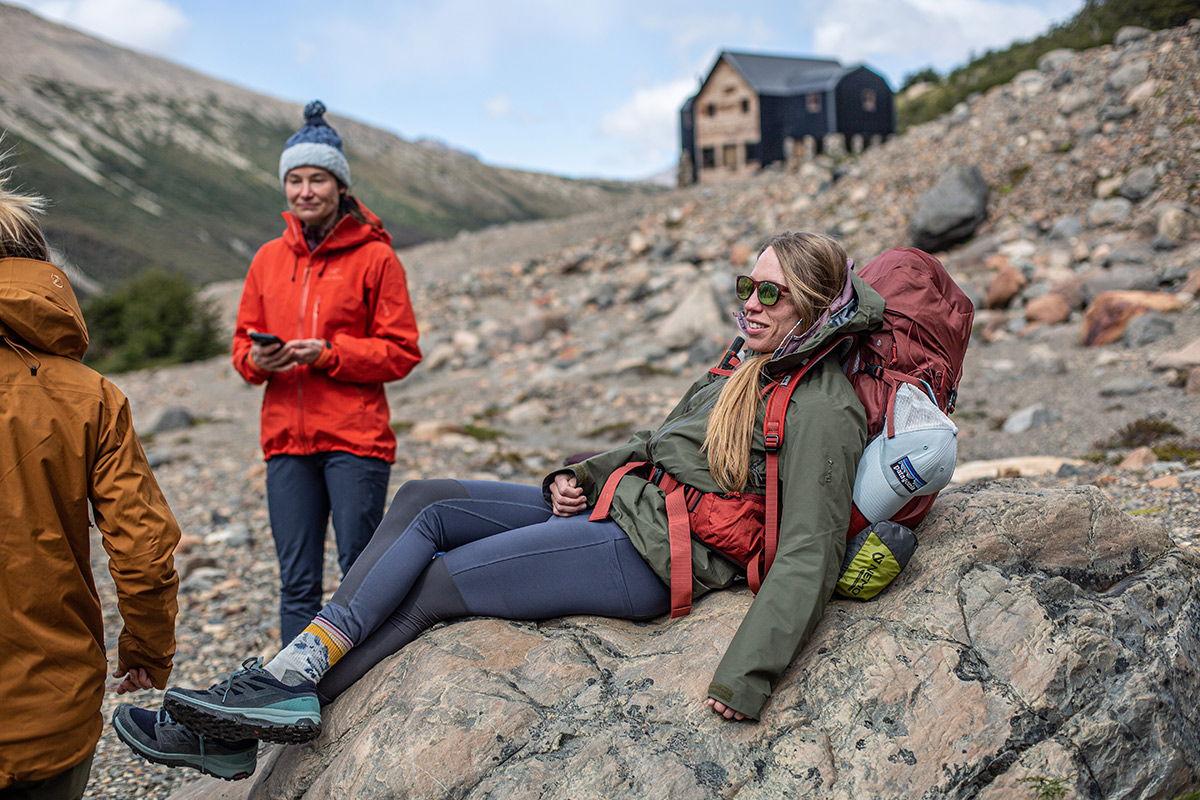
x=682, y=502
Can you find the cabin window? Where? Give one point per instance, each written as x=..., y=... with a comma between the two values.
x=812, y=102
x=745, y=106
x=711, y=109
x=708, y=157
x=868, y=100
x=729, y=156
x=752, y=152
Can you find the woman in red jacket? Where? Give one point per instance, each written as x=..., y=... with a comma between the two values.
x=332, y=293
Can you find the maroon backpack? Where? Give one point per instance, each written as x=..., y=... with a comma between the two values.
x=923, y=341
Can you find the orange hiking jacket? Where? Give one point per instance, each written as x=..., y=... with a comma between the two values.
x=351, y=291
x=67, y=438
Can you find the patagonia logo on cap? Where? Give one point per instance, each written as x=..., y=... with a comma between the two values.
x=907, y=475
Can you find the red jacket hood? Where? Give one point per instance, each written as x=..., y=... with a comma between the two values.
x=347, y=233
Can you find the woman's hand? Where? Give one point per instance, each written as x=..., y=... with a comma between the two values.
x=271, y=357
x=135, y=679
x=724, y=710
x=566, y=497
x=305, y=351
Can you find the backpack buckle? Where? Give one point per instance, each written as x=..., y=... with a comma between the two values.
x=771, y=442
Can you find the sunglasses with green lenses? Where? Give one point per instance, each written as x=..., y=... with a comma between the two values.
x=769, y=292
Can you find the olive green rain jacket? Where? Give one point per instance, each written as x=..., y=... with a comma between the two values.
x=66, y=444
x=825, y=433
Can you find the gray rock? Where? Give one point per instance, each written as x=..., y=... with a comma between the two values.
x=1116, y=113
x=949, y=213
x=1147, y=329
x=695, y=318
x=1175, y=223
x=1128, y=75
x=1036, y=632
x=1029, y=418
x=172, y=418
x=1130, y=252
x=1064, y=228
x=1051, y=61
x=1138, y=184
x=1075, y=101
x=1129, y=34
x=1103, y=213
x=1117, y=279
x=1062, y=78
x=1126, y=387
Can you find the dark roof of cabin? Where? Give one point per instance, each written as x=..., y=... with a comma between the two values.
x=785, y=75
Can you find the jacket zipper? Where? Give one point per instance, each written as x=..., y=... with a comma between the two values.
x=300, y=330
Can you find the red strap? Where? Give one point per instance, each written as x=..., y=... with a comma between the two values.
x=680, y=533
x=773, y=425
x=604, y=501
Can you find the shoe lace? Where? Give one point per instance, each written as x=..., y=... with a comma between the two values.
x=249, y=666
x=165, y=718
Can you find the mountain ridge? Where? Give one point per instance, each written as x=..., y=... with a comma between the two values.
x=135, y=153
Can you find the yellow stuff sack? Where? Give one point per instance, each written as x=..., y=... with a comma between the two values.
x=874, y=558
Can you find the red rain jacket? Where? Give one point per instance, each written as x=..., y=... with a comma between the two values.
x=350, y=291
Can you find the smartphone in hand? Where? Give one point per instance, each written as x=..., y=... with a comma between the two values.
x=266, y=338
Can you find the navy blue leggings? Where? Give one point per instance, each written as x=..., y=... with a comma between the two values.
x=505, y=555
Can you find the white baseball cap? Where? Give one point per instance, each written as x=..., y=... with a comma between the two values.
x=918, y=460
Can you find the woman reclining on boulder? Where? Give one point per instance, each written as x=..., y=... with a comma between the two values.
x=494, y=537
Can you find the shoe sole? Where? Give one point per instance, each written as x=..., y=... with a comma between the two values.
x=223, y=767
x=268, y=725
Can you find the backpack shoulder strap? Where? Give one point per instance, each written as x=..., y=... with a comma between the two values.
x=773, y=428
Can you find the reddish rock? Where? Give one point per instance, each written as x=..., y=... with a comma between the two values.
x=1139, y=458
x=1049, y=309
x=1192, y=387
x=1006, y=284
x=1107, y=317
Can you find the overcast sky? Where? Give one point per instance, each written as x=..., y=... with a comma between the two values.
x=583, y=88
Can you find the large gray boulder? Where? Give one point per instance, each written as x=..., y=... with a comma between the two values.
x=949, y=213
x=1037, y=636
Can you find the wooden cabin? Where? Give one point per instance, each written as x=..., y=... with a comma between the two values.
x=753, y=110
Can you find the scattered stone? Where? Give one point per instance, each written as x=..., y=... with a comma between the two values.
x=172, y=418
x=1106, y=319
x=1147, y=328
x=1165, y=482
x=1049, y=309
x=1139, y=184
x=1128, y=34
x=1140, y=458
x=1185, y=358
x=1064, y=229
x=1028, y=418
x=1014, y=467
x=1129, y=74
x=950, y=212
x=1104, y=213
x=1192, y=387
x=1126, y=387
x=1005, y=285
x=1176, y=224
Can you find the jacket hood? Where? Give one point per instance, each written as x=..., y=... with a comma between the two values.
x=39, y=308
x=346, y=234
x=863, y=313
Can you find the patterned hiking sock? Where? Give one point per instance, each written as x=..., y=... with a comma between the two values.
x=310, y=655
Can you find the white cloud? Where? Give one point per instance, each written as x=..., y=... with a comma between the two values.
x=917, y=33
x=152, y=25
x=498, y=106
x=649, y=122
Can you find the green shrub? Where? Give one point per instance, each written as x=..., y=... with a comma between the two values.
x=154, y=319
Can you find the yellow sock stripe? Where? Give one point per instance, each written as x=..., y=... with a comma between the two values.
x=335, y=646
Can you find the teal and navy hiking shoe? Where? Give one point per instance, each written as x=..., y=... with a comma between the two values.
x=249, y=704
x=158, y=738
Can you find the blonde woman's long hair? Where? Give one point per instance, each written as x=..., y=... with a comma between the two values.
x=20, y=233
x=814, y=268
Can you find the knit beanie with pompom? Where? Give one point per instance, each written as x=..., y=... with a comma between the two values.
x=315, y=145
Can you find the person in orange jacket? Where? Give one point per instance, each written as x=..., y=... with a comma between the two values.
x=333, y=294
x=66, y=443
